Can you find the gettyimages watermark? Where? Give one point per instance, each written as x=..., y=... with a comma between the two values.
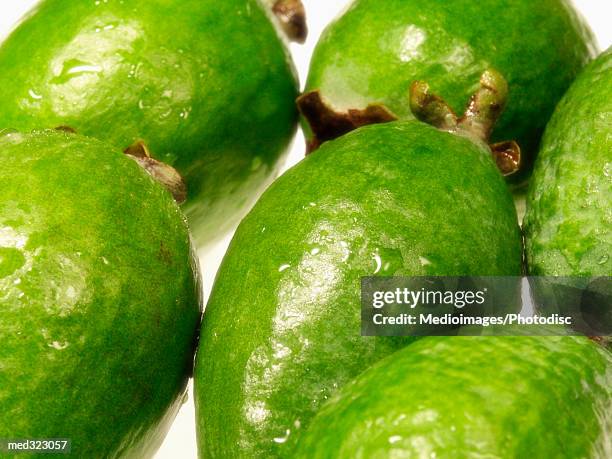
x=449, y=306
x=15, y=446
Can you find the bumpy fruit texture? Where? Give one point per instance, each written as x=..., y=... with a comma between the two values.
x=207, y=85
x=569, y=220
x=282, y=328
x=502, y=397
x=100, y=297
x=372, y=53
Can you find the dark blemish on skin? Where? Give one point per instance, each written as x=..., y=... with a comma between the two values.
x=68, y=129
x=164, y=254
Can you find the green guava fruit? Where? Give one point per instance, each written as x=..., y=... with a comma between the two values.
x=207, y=86
x=372, y=53
x=569, y=220
x=99, y=297
x=502, y=397
x=281, y=330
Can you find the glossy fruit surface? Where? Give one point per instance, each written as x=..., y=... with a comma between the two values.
x=372, y=53
x=99, y=297
x=282, y=328
x=502, y=397
x=206, y=85
x=569, y=216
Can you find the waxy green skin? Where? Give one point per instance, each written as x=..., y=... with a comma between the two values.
x=281, y=331
x=568, y=220
x=473, y=397
x=99, y=298
x=371, y=54
x=206, y=84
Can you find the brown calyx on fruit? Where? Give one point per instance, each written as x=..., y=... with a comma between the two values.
x=483, y=110
x=162, y=173
x=328, y=124
x=507, y=156
x=292, y=17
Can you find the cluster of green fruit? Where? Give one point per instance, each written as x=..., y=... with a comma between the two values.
x=100, y=291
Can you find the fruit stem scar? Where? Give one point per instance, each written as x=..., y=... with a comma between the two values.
x=292, y=17
x=162, y=173
x=328, y=124
x=483, y=110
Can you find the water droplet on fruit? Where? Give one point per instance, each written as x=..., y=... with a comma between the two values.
x=604, y=259
x=378, y=262
x=165, y=114
x=283, y=439
x=185, y=113
x=7, y=132
x=34, y=95
x=59, y=346
x=283, y=268
x=74, y=68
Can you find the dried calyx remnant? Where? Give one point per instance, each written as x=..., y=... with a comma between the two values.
x=165, y=175
x=328, y=124
x=161, y=172
x=292, y=17
x=483, y=110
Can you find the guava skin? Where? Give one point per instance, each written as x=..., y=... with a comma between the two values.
x=468, y=397
x=99, y=297
x=207, y=85
x=568, y=220
x=281, y=331
x=372, y=54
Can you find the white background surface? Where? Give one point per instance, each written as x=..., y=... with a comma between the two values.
x=180, y=443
